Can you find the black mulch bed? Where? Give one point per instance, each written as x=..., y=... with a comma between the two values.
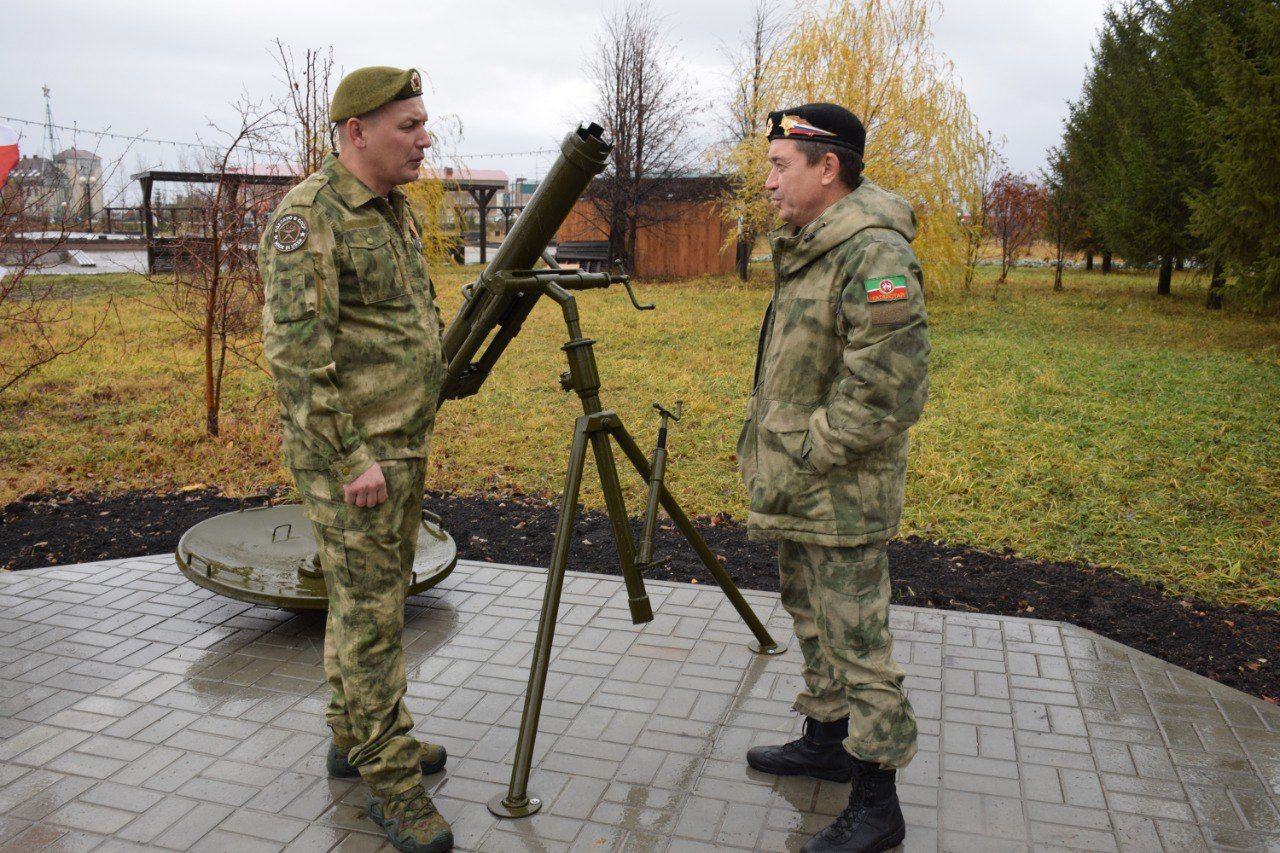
x=1238, y=646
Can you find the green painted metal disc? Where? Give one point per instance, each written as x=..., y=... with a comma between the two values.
x=266, y=555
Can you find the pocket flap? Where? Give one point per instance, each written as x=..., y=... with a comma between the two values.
x=785, y=417
x=369, y=237
x=334, y=514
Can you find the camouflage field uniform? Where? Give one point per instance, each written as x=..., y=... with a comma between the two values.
x=841, y=373
x=352, y=336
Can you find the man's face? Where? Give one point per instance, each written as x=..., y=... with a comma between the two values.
x=797, y=189
x=395, y=138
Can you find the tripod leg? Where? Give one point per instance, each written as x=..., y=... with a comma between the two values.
x=764, y=643
x=641, y=610
x=517, y=802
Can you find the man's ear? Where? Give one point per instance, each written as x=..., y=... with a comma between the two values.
x=354, y=132
x=830, y=168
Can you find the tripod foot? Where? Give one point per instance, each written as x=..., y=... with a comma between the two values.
x=774, y=649
x=502, y=806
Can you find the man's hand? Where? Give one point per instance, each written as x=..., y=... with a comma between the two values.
x=369, y=489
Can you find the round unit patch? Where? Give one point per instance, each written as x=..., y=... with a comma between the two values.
x=886, y=285
x=289, y=233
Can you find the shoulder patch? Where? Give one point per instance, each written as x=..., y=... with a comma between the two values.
x=289, y=233
x=889, y=288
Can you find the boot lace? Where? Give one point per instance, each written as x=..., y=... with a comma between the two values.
x=416, y=806
x=808, y=738
x=854, y=813
x=794, y=745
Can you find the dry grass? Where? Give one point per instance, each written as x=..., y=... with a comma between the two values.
x=1101, y=425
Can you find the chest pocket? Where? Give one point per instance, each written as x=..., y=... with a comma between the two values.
x=375, y=263
x=802, y=354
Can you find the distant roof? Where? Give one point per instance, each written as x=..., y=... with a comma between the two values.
x=76, y=154
x=35, y=168
x=268, y=169
x=671, y=187
x=215, y=177
x=465, y=175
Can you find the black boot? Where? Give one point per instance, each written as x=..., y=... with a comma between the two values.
x=819, y=753
x=871, y=822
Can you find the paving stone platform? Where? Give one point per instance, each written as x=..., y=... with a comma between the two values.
x=139, y=711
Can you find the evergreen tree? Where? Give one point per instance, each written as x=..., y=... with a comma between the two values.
x=1238, y=130
x=1147, y=166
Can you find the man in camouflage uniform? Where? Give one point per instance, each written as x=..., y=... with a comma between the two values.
x=841, y=373
x=352, y=336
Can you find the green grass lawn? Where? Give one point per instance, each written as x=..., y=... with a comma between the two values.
x=1103, y=425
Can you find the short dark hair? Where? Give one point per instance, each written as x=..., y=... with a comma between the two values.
x=850, y=160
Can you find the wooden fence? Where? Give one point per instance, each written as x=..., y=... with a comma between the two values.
x=688, y=241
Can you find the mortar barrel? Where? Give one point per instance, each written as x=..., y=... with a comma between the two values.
x=583, y=155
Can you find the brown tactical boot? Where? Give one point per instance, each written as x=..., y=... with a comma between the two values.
x=411, y=822
x=433, y=759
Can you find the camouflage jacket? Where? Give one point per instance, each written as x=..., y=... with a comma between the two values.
x=350, y=327
x=841, y=373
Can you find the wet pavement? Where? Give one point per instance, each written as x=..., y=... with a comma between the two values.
x=140, y=711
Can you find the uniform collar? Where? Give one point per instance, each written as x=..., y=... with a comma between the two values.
x=351, y=189
x=797, y=247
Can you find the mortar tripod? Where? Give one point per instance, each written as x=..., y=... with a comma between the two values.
x=598, y=427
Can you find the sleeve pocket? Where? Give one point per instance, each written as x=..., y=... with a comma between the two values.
x=293, y=298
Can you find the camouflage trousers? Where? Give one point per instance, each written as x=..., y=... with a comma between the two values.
x=366, y=553
x=839, y=601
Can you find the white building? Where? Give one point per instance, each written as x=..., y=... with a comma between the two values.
x=67, y=188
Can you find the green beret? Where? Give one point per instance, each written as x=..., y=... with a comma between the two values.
x=365, y=89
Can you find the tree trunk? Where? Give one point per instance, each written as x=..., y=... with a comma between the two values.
x=210, y=313
x=1060, y=245
x=1179, y=264
x=1165, y=285
x=1088, y=261
x=1217, y=283
x=1106, y=263
x=742, y=259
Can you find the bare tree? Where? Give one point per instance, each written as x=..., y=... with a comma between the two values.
x=215, y=290
x=1064, y=207
x=306, y=103
x=40, y=321
x=743, y=119
x=646, y=105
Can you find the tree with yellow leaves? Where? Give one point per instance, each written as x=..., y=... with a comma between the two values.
x=876, y=57
x=429, y=197
x=744, y=119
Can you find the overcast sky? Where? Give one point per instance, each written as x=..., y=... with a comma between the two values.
x=513, y=71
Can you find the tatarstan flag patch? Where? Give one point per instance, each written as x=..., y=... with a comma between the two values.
x=886, y=288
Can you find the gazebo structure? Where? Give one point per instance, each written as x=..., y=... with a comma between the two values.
x=161, y=251
x=482, y=185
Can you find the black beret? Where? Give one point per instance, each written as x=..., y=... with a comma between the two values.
x=365, y=89
x=829, y=123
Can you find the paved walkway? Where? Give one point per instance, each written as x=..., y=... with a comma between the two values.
x=139, y=710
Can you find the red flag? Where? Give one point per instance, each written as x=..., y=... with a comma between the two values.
x=8, y=152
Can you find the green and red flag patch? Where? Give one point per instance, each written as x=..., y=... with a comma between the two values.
x=886, y=288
